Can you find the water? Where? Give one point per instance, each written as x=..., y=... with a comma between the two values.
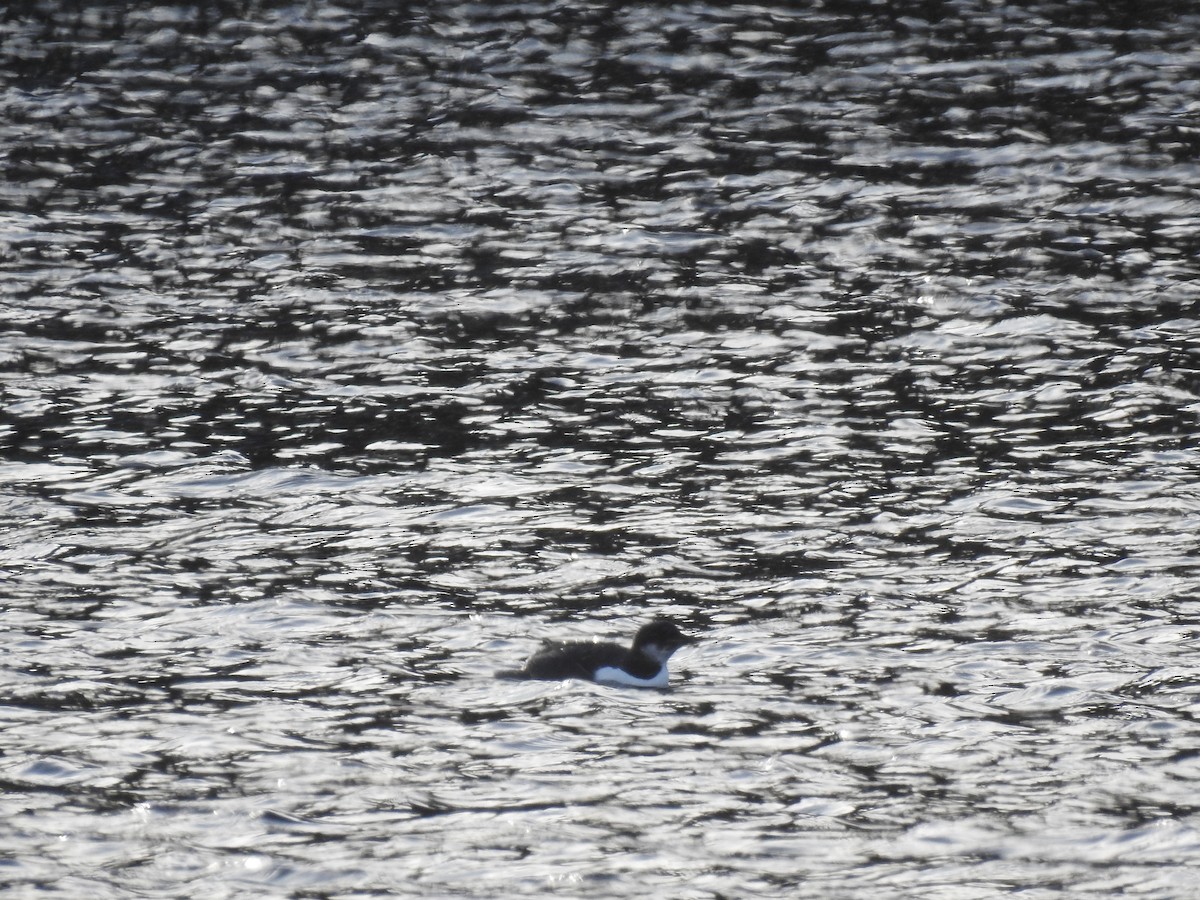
x=349, y=352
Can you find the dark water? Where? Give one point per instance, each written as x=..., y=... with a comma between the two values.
x=348, y=351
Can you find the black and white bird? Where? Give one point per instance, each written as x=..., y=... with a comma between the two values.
x=642, y=665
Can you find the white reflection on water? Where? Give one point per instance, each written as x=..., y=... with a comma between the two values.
x=349, y=353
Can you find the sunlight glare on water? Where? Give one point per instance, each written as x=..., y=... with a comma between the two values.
x=349, y=353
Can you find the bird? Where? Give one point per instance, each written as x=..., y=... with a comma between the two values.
x=643, y=665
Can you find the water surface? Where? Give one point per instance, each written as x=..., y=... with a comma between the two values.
x=348, y=352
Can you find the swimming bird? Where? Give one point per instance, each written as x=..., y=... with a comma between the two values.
x=642, y=665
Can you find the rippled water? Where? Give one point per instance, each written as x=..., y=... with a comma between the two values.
x=349, y=351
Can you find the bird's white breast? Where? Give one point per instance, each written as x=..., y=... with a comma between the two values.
x=613, y=675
